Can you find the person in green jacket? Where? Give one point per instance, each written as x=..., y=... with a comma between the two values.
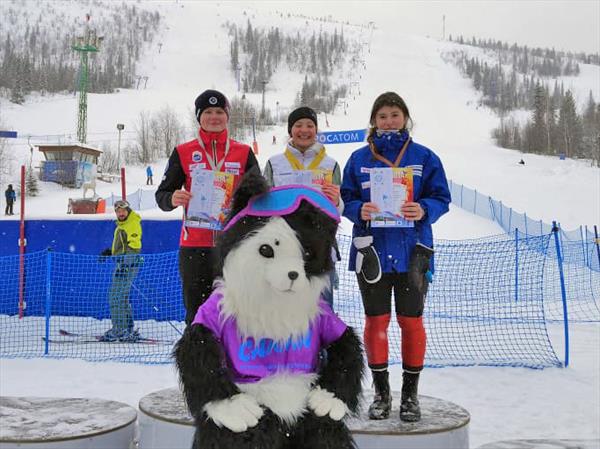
x=126, y=247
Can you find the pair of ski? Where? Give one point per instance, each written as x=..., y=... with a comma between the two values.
x=78, y=338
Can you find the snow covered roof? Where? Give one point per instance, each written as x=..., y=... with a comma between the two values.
x=77, y=146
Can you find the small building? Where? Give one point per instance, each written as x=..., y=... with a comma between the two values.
x=70, y=164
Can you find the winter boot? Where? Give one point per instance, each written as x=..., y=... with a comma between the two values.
x=382, y=403
x=112, y=334
x=409, y=408
x=130, y=336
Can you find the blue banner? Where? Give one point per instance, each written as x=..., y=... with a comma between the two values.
x=334, y=137
x=8, y=134
x=85, y=236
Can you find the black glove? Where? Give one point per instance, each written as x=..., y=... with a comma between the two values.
x=367, y=260
x=418, y=266
x=104, y=254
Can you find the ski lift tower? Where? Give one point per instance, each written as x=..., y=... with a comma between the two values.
x=85, y=44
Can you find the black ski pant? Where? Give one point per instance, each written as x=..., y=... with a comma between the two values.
x=196, y=268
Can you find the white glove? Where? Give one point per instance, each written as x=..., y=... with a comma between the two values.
x=237, y=413
x=323, y=402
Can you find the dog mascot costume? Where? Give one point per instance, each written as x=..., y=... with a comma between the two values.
x=266, y=364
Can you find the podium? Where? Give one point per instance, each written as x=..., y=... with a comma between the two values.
x=165, y=422
x=65, y=423
x=546, y=443
x=443, y=424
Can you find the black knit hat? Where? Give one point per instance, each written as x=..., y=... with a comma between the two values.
x=300, y=113
x=211, y=99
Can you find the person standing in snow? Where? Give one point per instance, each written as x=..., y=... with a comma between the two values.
x=303, y=152
x=398, y=259
x=149, y=176
x=211, y=150
x=126, y=246
x=11, y=196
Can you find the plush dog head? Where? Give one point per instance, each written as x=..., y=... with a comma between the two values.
x=275, y=255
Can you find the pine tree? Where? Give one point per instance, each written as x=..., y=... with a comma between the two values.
x=31, y=183
x=591, y=128
x=569, y=125
x=235, y=52
x=538, y=132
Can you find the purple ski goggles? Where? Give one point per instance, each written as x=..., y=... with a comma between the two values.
x=284, y=200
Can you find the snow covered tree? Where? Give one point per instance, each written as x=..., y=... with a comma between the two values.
x=31, y=183
x=569, y=126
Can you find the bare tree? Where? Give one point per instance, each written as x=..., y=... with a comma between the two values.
x=143, y=127
x=108, y=160
x=170, y=129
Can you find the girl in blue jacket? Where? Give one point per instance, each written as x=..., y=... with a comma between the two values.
x=398, y=259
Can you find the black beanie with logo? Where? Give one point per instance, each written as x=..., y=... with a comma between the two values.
x=211, y=99
x=300, y=113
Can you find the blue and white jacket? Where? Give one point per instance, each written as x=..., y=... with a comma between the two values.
x=395, y=245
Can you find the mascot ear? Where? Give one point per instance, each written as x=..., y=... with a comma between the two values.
x=251, y=184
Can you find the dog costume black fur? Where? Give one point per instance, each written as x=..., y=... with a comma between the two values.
x=272, y=271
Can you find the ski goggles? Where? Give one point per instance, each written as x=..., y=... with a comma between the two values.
x=121, y=204
x=284, y=200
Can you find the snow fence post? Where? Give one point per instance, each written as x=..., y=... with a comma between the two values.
x=583, y=245
x=516, y=264
x=597, y=241
x=48, y=298
x=555, y=231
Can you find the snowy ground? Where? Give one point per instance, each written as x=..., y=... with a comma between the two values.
x=504, y=402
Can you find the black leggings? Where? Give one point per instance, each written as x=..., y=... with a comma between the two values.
x=196, y=268
x=377, y=298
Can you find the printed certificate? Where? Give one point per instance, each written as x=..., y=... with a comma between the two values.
x=390, y=188
x=211, y=195
x=310, y=178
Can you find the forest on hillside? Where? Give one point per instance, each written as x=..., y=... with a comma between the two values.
x=325, y=58
x=512, y=78
x=36, y=55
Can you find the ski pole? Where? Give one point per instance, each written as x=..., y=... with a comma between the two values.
x=155, y=308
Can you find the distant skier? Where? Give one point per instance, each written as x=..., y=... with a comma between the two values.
x=11, y=197
x=127, y=244
x=149, y=176
x=522, y=162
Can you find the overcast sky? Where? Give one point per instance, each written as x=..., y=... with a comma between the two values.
x=567, y=25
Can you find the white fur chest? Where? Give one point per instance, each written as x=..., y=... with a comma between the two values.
x=285, y=394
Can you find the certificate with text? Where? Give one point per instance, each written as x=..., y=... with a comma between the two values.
x=211, y=194
x=310, y=178
x=390, y=189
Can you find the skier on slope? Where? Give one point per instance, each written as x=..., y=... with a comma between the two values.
x=127, y=244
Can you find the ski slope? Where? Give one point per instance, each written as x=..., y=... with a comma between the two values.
x=504, y=402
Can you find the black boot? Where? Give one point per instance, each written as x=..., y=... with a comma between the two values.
x=409, y=408
x=382, y=403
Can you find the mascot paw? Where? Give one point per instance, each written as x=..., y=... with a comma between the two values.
x=237, y=413
x=323, y=402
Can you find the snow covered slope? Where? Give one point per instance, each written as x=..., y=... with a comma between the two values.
x=194, y=56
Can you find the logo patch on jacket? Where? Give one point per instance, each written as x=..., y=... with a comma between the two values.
x=196, y=156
